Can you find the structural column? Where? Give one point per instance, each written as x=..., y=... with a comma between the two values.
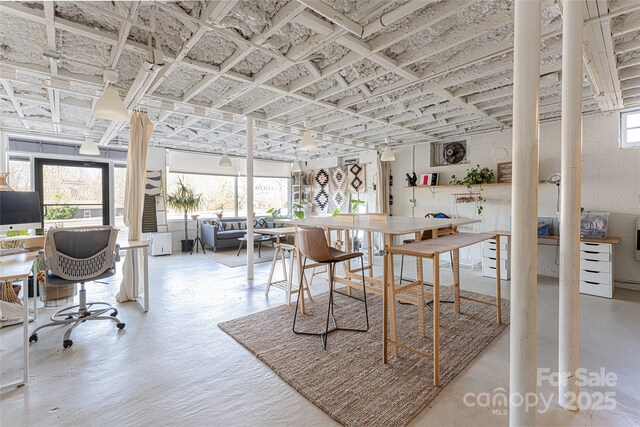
x=570, y=189
x=524, y=212
x=249, y=198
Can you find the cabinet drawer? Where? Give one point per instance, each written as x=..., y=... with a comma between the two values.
x=491, y=253
x=491, y=262
x=595, y=277
x=492, y=244
x=597, y=289
x=595, y=256
x=488, y=271
x=599, y=266
x=595, y=247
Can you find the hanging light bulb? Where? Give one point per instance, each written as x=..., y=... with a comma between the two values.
x=110, y=105
x=307, y=143
x=225, y=161
x=89, y=148
x=387, y=154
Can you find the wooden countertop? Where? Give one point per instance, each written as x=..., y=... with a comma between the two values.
x=611, y=240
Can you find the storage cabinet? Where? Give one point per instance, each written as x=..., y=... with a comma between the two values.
x=596, y=269
x=489, y=266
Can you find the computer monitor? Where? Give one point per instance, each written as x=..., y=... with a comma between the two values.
x=20, y=210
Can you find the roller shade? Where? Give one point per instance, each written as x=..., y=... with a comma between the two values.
x=186, y=162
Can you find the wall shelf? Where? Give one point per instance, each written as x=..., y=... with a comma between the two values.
x=433, y=187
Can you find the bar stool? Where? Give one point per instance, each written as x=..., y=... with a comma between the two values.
x=313, y=245
x=282, y=252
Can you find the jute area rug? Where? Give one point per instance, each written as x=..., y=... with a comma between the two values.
x=348, y=380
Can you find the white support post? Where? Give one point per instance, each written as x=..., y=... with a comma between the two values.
x=570, y=188
x=524, y=212
x=250, y=198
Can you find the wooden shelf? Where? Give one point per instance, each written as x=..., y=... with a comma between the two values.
x=433, y=187
x=492, y=184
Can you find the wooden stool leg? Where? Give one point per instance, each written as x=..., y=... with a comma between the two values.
x=436, y=319
x=422, y=315
x=456, y=279
x=393, y=330
x=290, y=278
x=370, y=254
x=498, y=282
x=347, y=265
x=273, y=267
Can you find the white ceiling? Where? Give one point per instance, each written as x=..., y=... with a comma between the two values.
x=359, y=70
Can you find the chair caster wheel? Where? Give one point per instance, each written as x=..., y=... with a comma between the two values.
x=120, y=325
x=67, y=343
x=114, y=314
x=33, y=338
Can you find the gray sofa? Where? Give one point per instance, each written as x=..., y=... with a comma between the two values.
x=232, y=229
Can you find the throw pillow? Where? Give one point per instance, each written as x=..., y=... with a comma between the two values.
x=260, y=223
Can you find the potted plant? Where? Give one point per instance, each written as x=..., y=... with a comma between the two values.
x=184, y=199
x=476, y=176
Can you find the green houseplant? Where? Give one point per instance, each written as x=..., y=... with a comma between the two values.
x=476, y=176
x=184, y=199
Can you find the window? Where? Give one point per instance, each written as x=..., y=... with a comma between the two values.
x=119, y=182
x=630, y=129
x=218, y=192
x=20, y=173
x=268, y=193
x=229, y=194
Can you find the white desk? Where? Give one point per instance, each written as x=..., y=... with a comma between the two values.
x=141, y=245
x=19, y=267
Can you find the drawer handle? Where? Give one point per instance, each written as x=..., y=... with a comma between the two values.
x=591, y=283
x=592, y=271
x=592, y=260
x=591, y=244
x=590, y=252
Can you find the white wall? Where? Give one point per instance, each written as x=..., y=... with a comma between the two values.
x=610, y=183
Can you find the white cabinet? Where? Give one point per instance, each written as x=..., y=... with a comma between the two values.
x=160, y=244
x=596, y=269
x=489, y=266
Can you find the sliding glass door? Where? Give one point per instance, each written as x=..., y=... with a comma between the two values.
x=73, y=193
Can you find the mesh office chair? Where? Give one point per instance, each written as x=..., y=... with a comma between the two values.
x=78, y=255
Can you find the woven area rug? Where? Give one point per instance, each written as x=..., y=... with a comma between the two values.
x=348, y=381
x=227, y=256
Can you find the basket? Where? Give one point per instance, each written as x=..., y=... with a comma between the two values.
x=51, y=295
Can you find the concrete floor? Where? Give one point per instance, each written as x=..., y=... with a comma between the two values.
x=173, y=366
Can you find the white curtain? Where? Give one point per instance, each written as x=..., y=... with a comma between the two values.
x=140, y=128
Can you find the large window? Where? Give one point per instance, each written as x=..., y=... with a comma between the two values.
x=630, y=129
x=268, y=193
x=229, y=195
x=20, y=173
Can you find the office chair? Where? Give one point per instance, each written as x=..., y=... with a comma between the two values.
x=79, y=255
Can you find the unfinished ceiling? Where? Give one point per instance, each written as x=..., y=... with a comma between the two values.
x=357, y=70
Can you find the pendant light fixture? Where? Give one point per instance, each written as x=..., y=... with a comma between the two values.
x=387, y=154
x=295, y=167
x=225, y=161
x=110, y=105
x=307, y=143
x=89, y=148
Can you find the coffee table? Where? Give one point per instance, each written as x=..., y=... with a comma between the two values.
x=257, y=238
